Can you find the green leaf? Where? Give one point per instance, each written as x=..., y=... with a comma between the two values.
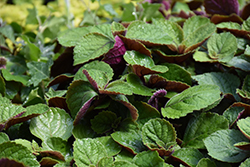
x=188, y=156
x=12, y=89
x=106, y=162
x=124, y=155
x=196, y=29
x=33, y=52
x=54, y=123
x=148, y=159
x=150, y=10
x=38, y=71
x=222, y=47
x=52, y=93
x=8, y=32
x=246, y=163
x=98, y=76
x=239, y=62
x=129, y=12
x=116, y=27
x=246, y=83
x=83, y=130
x=201, y=127
x=71, y=37
x=123, y=163
x=148, y=33
x=129, y=136
x=117, y=87
x=232, y=114
x=244, y=126
x=202, y=57
x=206, y=162
x=110, y=145
x=194, y=98
x=220, y=146
x=137, y=85
x=88, y=152
x=96, y=65
x=18, y=78
x=159, y=134
x=103, y=122
x=173, y=30
x=32, y=16
x=3, y=137
x=226, y=81
x=246, y=24
x=79, y=93
x=2, y=86
x=57, y=144
x=19, y=153
x=229, y=25
x=92, y=46
x=176, y=73
x=25, y=143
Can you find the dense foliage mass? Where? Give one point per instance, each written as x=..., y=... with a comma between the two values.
x=136, y=84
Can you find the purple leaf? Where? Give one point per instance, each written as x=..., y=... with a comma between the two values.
x=153, y=101
x=10, y=163
x=115, y=55
x=222, y=7
x=91, y=80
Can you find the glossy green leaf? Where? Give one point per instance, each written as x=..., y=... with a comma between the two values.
x=244, y=126
x=19, y=153
x=25, y=143
x=118, y=87
x=238, y=62
x=222, y=47
x=52, y=93
x=146, y=113
x=201, y=127
x=33, y=98
x=137, y=86
x=103, y=122
x=232, y=114
x=110, y=145
x=124, y=155
x=71, y=37
x=220, y=146
x=33, y=53
x=177, y=73
x=206, y=162
x=96, y=65
x=196, y=29
x=148, y=159
x=246, y=163
x=79, y=93
x=38, y=71
x=58, y=124
x=188, y=156
x=229, y=25
x=83, y=130
x=246, y=24
x=226, y=81
x=158, y=134
x=129, y=136
x=91, y=47
x=3, y=137
x=88, y=152
x=194, y=98
x=99, y=77
x=150, y=33
x=57, y=144
x=18, y=78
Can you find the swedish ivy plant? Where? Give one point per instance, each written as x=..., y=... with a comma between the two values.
x=136, y=84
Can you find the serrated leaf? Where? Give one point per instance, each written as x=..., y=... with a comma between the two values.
x=3, y=137
x=137, y=86
x=222, y=47
x=96, y=77
x=57, y=144
x=79, y=95
x=111, y=146
x=106, y=162
x=158, y=134
x=18, y=78
x=194, y=98
x=88, y=152
x=246, y=163
x=229, y=25
x=177, y=73
x=246, y=24
x=196, y=30
x=83, y=130
x=71, y=37
x=129, y=136
x=188, y=156
x=103, y=122
x=226, y=81
x=206, y=162
x=244, y=126
x=220, y=146
x=148, y=159
x=148, y=33
x=201, y=127
x=38, y=71
x=92, y=46
x=54, y=123
x=116, y=27
x=19, y=153
x=117, y=87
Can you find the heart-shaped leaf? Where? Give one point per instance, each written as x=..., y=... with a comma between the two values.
x=201, y=127
x=220, y=146
x=158, y=134
x=58, y=124
x=194, y=98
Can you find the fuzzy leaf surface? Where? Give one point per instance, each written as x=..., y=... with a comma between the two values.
x=194, y=98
